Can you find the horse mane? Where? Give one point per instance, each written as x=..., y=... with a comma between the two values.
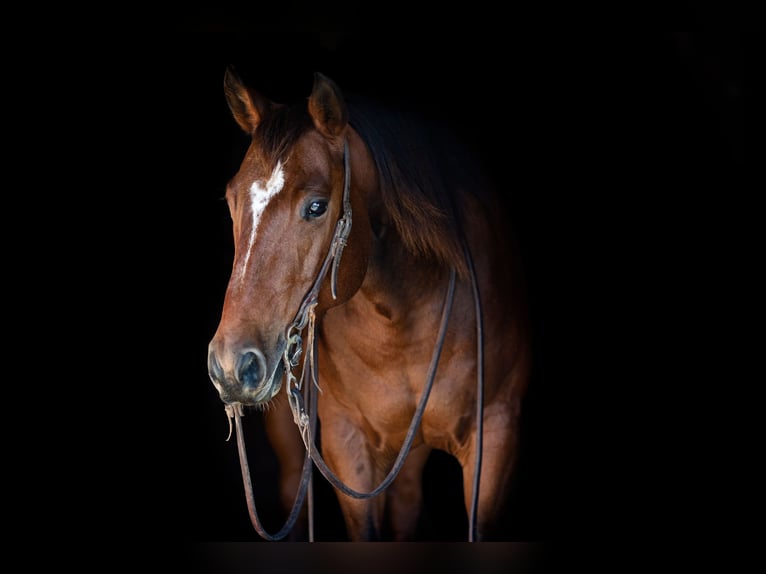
x=279, y=131
x=423, y=171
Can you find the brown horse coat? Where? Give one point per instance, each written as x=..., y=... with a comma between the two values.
x=415, y=206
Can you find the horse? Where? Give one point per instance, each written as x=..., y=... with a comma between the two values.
x=372, y=258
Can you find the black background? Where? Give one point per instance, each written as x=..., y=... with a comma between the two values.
x=603, y=141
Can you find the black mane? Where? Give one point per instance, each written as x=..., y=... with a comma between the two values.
x=424, y=172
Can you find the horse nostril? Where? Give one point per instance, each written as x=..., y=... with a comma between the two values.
x=214, y=368
x=251, y=368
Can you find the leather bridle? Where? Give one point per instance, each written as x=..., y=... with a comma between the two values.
x=305, y=319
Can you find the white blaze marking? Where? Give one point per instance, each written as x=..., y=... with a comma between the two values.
x=260, y=195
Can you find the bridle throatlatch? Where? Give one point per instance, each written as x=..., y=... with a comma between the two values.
x=299, y=389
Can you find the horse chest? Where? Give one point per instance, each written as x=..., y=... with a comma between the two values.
x=382, y=402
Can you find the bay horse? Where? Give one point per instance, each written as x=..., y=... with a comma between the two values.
x=369, y=256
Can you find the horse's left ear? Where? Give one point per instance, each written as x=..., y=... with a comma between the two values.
x=327, y=106
x=247, y=106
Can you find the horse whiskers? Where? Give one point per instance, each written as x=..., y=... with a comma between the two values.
x=265, y=407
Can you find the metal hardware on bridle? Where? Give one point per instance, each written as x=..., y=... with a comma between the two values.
x=305, y=318
x=343, y=228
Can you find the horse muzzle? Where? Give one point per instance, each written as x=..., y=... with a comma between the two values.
x=244, y=376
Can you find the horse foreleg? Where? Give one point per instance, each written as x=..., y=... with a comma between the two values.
x=285, y=439
x=348, y=455
x=404, y=498
x=499, y=454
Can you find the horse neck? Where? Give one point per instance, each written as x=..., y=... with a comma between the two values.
x=396, y=279
x=399, y=285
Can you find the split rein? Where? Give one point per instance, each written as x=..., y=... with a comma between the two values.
x=306, y=422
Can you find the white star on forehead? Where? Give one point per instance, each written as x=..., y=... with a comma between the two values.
x=260, y=196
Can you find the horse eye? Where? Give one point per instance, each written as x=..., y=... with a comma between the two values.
x=316, y=208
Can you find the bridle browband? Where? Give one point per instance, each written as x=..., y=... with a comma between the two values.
x=305, y=318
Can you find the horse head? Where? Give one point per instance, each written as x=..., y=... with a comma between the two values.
x=291, y=196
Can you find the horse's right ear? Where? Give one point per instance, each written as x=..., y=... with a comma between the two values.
x=247, y=106
x=327, y=106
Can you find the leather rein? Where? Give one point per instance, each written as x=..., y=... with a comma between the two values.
x=305, y=319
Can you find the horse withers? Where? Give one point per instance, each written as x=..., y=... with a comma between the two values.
x=370, y=255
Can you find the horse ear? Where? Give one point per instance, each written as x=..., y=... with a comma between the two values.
x=247, y=106
x=327, y=106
